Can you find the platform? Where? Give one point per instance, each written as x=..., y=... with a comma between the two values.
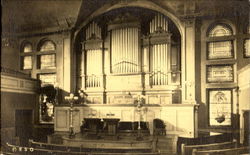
x=104, y=142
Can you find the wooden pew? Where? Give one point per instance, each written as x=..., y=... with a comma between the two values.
x=188, y=149
x=14, y=149
x=53, y=146
x=225, y=137
x=57, y=147
x=232, y=151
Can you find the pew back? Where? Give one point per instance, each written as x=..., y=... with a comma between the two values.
x=225, y=137
x=15, y=150
x=232, y=151
x=188, y=149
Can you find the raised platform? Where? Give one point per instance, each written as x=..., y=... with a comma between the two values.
x=105, y=142
x=125, y=143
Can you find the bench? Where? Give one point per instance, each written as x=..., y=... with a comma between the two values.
x=188, y=149
x=14, y=149
x=232, y=151
x=225, y=137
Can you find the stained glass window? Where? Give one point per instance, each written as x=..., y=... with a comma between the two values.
x=220, y=50
x=220, y=107
x=47, y=61
x=220, y=73
x=47, y=46
x=220, y=30
x=27, y=62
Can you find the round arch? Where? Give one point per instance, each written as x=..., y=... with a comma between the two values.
x=146, y=5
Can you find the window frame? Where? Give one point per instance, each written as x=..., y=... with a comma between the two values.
x=208, y=90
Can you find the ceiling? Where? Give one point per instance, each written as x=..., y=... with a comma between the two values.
x=24, y=15
x=38, y=15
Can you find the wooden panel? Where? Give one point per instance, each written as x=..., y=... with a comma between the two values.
x=76, y=121
x=18, y=85
x=178, y=118
x=126, y=115
x=61, y=121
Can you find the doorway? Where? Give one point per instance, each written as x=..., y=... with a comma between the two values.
x=24, y=125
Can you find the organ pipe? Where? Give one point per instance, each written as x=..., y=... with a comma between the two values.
x=93, y=28
x=94, y=68
x=159, y=21
x=159, y=64
x=125, y=50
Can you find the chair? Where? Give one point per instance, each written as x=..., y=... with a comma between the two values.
x=159, y=127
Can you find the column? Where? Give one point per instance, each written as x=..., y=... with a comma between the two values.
x=188, y=57
x=67, y=79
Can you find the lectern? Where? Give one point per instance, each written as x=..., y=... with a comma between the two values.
x=112, y=124
x=93, y=125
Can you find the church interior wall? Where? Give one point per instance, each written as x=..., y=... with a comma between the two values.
x=194, y=67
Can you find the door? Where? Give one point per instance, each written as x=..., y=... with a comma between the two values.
x=24, y=125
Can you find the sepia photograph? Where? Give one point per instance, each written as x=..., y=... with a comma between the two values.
x=125, y=77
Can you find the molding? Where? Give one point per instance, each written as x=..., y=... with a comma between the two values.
x=18, y=85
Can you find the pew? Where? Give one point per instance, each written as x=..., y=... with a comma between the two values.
x=188, y=149
x=232, y=151
x=14, y=149
x=225, y=137
x=39, y=146
x=53, y=146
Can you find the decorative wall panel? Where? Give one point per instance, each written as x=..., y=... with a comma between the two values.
x=220, y=107
x=172, y=115
x=220, y=50
x=220, y=73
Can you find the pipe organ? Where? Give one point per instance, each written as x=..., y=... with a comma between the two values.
x=158, y=23
x=119, y=59
x=94, y=68
x=93, y=30
x=125, y=50
x=93, y=53
x=159, y=64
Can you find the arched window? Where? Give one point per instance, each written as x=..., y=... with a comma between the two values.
x=47, y=57
x=220, y=48
x=47, y=46
x=26, y=56
x=27, y=47
x=220, y=30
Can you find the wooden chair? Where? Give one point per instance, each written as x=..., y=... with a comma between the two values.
x=159, y=127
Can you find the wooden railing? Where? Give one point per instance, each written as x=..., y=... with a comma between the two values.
x=12, y=72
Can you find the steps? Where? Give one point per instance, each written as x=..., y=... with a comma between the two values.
x=167, y=144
